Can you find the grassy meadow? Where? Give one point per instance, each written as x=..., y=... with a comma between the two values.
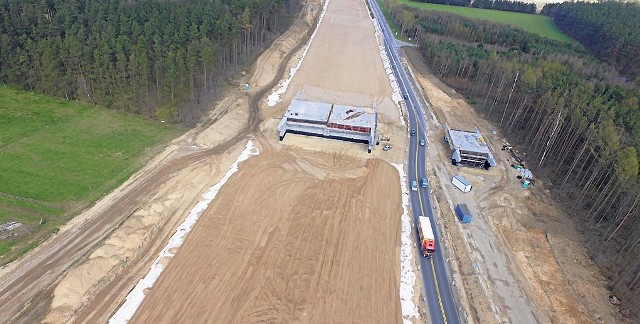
x=538, y=24
x=57, y=157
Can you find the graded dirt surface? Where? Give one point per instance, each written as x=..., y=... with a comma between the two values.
x=343, y=64
x=520, y=260
x=84, y=272
x=292, y=237
x=114, y=243
x=308, y=231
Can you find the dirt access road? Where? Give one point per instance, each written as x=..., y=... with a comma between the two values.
x=308, y=231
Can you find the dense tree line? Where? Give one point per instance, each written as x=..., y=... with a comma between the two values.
x=503, y=5
x=147, y=57
x=579, y=125
x=610, y=29
x=459, y=3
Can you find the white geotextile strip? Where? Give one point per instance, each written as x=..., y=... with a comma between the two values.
x=136, y=296
x=407, y=274
x=274, y=97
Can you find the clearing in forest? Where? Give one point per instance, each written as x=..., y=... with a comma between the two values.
x=57, y=156
x=537, y=24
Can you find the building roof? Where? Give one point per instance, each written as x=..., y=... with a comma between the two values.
x=464, y=209
x=425, y=228
x=468, y=141
x=353, y=116
x=308, y=110
x=463, y=180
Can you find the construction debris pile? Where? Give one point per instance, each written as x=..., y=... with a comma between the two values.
x=525, y=174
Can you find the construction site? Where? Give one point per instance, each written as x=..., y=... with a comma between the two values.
x=469, y=148
x=238, y=222
x=356, y=124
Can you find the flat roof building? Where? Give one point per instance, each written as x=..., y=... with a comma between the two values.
x=356, y=124
x=469, y=148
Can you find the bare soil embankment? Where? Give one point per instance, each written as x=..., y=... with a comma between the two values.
x=520, y=257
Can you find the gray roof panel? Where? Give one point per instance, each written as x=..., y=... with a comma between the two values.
x=468, y=141
x=309, y=110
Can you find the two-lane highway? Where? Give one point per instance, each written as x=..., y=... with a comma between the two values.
x=438, y=292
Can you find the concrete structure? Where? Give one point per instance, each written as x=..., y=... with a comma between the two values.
x=469, y=148
x=356, y=124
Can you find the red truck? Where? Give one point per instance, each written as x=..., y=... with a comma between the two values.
x=427, y=239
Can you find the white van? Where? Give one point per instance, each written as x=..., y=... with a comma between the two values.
x=414, y=185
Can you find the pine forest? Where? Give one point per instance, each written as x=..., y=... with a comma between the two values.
x=574, y=108
x=161, y=59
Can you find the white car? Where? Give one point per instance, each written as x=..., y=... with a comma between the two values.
x=386, y=147
x=421, y=142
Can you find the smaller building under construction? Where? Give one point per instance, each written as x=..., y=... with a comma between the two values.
x=356, y=124
x=469, y=148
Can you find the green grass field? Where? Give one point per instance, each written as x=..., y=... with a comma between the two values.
x=538, y=24
x=57, y=157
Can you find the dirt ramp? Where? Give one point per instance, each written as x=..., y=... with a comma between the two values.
x=289, y=240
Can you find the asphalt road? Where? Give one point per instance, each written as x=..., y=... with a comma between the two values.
x=440, y=303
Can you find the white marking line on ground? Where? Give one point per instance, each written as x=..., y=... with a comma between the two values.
x=136, y=296
x=407, y=274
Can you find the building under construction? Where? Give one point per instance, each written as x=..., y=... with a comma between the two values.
x=469, y=148
x=355, y=124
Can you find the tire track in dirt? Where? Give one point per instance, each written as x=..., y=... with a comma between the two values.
x=107, y=297
x=314, y=249
x=26, y=294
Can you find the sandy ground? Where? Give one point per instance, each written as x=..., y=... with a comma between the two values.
x=341, y=65
x=133, y=238
x=290, y=238
x=520, y=260
x=91, y=291
x=309, y=231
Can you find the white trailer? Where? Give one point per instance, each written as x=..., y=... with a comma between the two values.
x=427, y=239
x=461, y=183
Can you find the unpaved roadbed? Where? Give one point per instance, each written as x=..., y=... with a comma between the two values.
x=291, y=238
